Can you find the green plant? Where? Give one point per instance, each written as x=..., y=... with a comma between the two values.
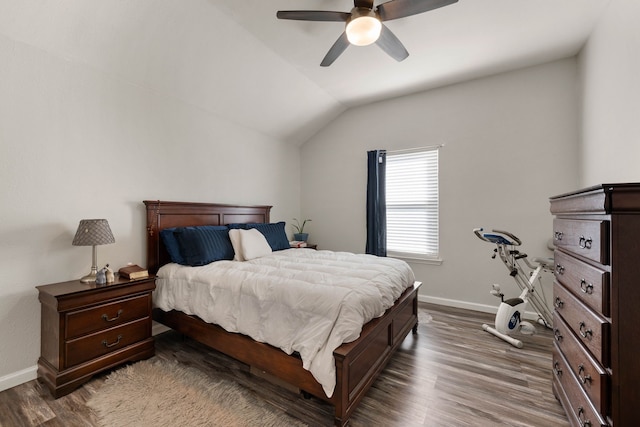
x=298, y=227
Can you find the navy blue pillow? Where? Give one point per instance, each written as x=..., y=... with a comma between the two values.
x=203, y=245
x=171, y=245
x=275, y=234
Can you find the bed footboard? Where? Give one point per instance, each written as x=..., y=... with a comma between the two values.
x=358, y=363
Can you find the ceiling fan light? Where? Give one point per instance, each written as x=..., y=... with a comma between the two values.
x=363, y=30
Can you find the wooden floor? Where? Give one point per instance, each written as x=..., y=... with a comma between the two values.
x=450, y=374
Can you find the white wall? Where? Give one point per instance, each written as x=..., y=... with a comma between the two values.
x=77, y=142
x=82, y=135
x=610, y=66
x=510, y=143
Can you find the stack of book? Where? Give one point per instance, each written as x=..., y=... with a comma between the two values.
x=298, y=244
x=133, y=272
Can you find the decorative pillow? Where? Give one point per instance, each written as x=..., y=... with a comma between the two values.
x=203, y=245
x=254, y=244
x=275, y=234
x=234, y=236
x=171, y=245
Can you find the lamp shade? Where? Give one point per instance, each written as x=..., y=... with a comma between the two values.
x=93, y=232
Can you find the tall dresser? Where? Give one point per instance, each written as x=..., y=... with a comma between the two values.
x=596, y=357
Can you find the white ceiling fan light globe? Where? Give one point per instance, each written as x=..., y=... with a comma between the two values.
x=363, y=28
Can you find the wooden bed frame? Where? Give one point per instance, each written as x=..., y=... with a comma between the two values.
x=358, y=363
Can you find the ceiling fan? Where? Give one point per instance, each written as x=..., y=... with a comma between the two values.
x=364, y=24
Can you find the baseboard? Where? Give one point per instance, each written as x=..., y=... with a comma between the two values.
x=483, y=308
x=19, y=377
x=459, y=304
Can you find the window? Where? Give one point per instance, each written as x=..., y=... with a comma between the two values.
x=412, y=204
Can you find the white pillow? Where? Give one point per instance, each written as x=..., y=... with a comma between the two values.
x=253, y=244
x=234, y=235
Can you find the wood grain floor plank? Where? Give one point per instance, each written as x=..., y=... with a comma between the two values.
x=32, y=410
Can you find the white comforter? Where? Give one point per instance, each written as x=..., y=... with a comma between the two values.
x=297, y=299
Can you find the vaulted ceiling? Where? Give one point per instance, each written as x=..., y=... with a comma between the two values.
x=234, y=59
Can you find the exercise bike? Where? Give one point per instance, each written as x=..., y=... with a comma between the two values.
x=528, y=278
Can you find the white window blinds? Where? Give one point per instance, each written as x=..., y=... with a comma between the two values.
x=412, y=203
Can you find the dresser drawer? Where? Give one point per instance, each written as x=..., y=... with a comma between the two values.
x=591, y=376
x=591, y=329
x=588, y=283
x=103, y=342
x=589, y=239
x=82, y=322
x=580, y=407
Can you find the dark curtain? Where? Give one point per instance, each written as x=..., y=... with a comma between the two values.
x=376, y=203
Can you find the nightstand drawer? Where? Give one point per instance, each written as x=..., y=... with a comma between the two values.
x=588, y=283
x=95, y=345
x=589, y=239
x=106, y=316
x=589, y=328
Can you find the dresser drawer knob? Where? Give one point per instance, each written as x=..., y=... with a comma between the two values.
x=106, y=344
x=107, y=319
x=587, y=288
x=557, y=335
x=558, y=303
x=581, y=414
x=556, y=369
x=559, y=269
x=585, y=243
x=583, y=378
x=558, y=235
x=584, y=332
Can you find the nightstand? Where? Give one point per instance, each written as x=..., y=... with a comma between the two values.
x=87, y=328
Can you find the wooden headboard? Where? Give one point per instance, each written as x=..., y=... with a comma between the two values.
x=161, y=215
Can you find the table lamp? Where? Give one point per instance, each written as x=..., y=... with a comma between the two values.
x=93, y=232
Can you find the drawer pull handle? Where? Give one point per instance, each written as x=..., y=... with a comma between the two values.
x=558, y=235
x=106, y=344
x=559, y=269
x=583, y=379
x=107, y=319
x=585, y=333
x=587, y=288
x=557, y=335
x=556, y=369
x=585, y=243
x=583, y=422
x=558, y=303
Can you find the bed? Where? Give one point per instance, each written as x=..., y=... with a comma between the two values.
x=357, y=363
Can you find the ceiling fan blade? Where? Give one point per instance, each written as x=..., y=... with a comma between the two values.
x=336, y=50
x=313, y=15
x=391, y=44
x=400, y=8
